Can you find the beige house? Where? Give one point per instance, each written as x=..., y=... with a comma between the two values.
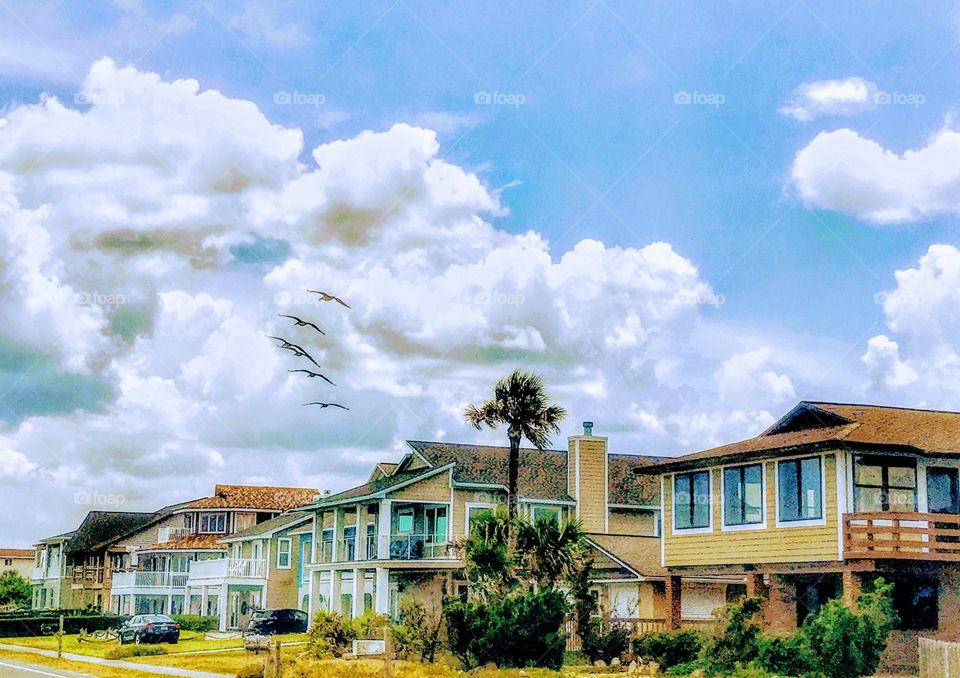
x=20, y=561
x=394, y=535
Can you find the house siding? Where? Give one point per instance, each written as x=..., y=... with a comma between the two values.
x=434, y=488
x=631, y=521
x=768, y=545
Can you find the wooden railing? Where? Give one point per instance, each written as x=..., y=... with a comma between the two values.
x=637, y=626
x=919, y=536
x=87, y=574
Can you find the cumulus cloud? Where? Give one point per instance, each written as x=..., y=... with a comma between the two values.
x=443, y=303
x=846, y=97
x=845, y=172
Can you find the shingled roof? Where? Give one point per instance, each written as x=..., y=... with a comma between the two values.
x=822, y=425
x=100, y=527
x=267, y=526
x=640, y=554
x=625, y=487
x=193, y=542
x=17, y=553
x=255, y=497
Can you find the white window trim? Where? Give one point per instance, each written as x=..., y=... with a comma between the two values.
x=673, y=504
x=467, y=505
x=810, y=522
x=289, y=542
x=748, y=527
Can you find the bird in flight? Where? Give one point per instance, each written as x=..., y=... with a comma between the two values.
x=302, y=323
x=297, y=350
x=325, y=405
x=329, y=297
x=314, y=374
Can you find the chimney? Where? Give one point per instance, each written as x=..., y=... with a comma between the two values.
x=587, y=478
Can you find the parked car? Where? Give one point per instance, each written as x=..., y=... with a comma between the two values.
x=149, y=628
x=270, y=622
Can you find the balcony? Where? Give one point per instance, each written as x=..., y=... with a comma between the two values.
x=38, y=574
x=165, y=534
x=416, y=547
x=87, y=575
x=141, y=579
x=911, y=536
x=227, y=568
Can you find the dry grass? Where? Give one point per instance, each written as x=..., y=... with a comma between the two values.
x=78, y=667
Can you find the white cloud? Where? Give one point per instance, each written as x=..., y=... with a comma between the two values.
x=884, y=366
x=748, y=378
x=844, y=172
x=260, y=25
x=846, y=97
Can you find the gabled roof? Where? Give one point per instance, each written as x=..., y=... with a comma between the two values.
x=641, y=555
x=100, y=527
x=543, y=473
x=17, y=553
x=813, y=425
x=255, y=497
x=268, y=527
x=378, y=485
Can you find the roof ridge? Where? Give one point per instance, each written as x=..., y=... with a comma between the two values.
x=500, y=447
x=881, y=407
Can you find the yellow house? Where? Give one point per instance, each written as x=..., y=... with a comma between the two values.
x=827, y=497
x=394, y=535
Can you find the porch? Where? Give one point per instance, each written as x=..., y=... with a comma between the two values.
x=901, y=535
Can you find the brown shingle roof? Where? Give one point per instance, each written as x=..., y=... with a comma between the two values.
x=193, y=542
x=17, y=553
x=100, y=527
x=625, y=486
x=641, y=554
x=933, y=432
x=543, y=473
x=256, y=497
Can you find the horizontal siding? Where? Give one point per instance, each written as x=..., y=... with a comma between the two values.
x=632, y=522
x=769, y=545
x=434, y=488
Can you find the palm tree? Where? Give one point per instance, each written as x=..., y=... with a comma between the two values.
x=521, y=402
x=551, y=549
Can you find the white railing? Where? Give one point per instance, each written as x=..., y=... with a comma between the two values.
x=38, y=573
x=228, y=568
x=165, y=534
x=414, y=547
x=148, y=580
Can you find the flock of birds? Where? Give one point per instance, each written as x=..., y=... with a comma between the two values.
x=300, y=352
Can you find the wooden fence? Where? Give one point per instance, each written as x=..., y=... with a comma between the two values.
x=939, y=659
x=635, y=626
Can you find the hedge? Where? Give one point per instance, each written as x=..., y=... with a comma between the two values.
x=46, y=625
x=196, y=622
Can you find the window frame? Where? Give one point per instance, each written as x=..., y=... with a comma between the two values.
x=755, y=525
x=693, y=529
x=955, y=486
x=467, y=506
x=803, y=522
x=886, y=462
x=289, y=553
x=206, y=516
x=556, y=509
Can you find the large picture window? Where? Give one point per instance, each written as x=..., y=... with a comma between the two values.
x=213, y=523
x=691, y=500
x=800, y=486
x=743, y=495
x=884, y=484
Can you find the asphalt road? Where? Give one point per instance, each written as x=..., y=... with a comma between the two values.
x=12, y=669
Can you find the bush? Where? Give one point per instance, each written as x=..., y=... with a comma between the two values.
x=518, y=631
x=195, y=622
x=670, y=648
x=330, y=636
x=602, y=641
x=124, y=651
x=849, y=643
x=786, y=655
x=369, y=625
x=417, y=633
x=33, y=624
x=737, y=639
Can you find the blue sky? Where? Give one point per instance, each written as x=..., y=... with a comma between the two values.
x=687, y=215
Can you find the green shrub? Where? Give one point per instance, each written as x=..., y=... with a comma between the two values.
x=36, y=624
x=786, y=655
x=369, y=625
x=603, y=641
x=670, y=648
x=254, y=670
x=517, y=631
x=124, y=651
x=330, y=635
x=417, y=632
x=195, y=622
x=737, y=638
x=848, y=643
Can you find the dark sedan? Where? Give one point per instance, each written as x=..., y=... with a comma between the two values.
x=270, y=622
x=149, y=628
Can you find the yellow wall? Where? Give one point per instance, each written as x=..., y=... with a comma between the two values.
x=631, y=521
x=435, y=488
x=769, y=545
x=591, y=501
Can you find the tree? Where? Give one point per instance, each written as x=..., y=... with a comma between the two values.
x=521, y=403
x=14, y=589
x=550, y=549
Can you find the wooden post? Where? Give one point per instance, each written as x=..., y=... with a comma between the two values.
x=674, y=606
x=851, y=588
x=60, y=639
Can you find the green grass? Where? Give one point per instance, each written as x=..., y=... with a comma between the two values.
x=190, y=641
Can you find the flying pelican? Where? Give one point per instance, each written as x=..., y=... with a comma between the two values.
x=325, y=405
x=329, y=297
x=314, y=374
x=302, y=323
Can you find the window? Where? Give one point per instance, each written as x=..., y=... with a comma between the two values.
x=283, y=553
x=474, y=512
x=800, y=486
x=942, y=494
x=539, y=513
x=405, y=521
x=188, y=521
x=213, y=523
x=743, y=495
x=884, y=484
x=691, y=500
